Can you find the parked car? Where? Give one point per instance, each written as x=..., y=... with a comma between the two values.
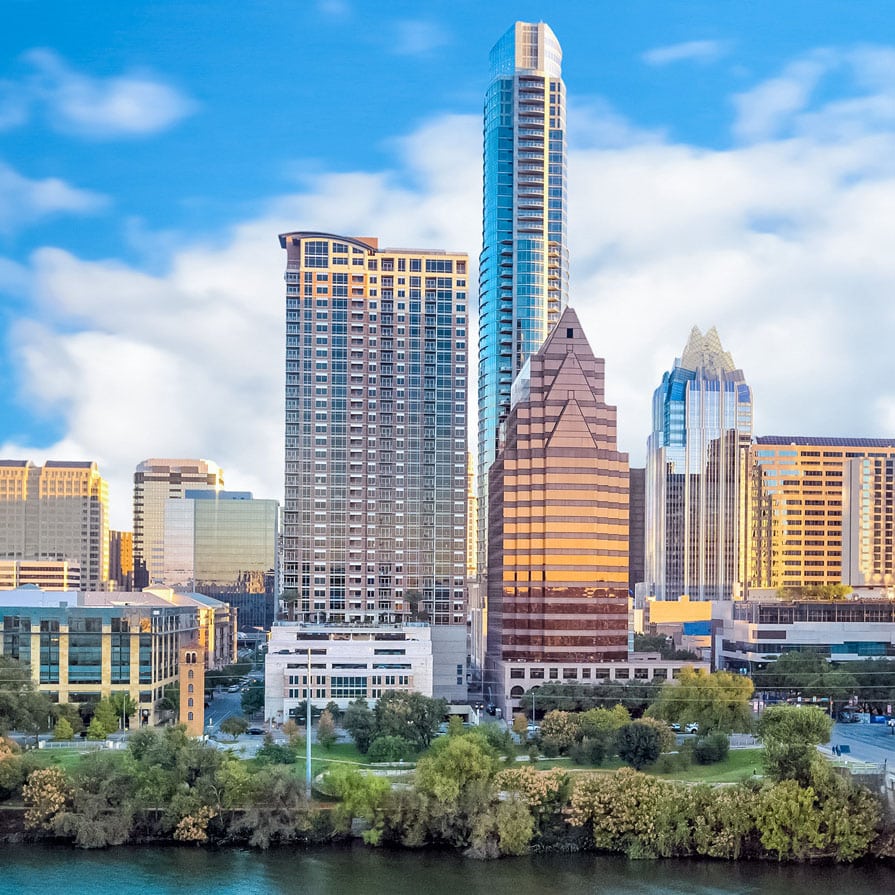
x=255, y=732
x=692, y=727
x=675, y=726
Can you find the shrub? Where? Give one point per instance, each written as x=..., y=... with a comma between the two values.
x=391, y=748
x=711, y=749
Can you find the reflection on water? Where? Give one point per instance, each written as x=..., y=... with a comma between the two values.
x=363, y=871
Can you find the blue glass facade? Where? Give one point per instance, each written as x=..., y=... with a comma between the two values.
x=524, y=265
x=695, y=510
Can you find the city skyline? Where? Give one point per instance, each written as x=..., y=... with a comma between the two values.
x=725, y=169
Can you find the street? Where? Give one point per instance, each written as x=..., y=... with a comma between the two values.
x=867, y=742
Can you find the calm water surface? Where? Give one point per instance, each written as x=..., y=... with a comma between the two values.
x=362, y=871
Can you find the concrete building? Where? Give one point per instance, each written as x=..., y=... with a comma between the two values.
x=702, y=425
x=224, y=544
x=85, y=647
x=868, y=523
x=796, y=503
x=524, y=265
x=58, y=512
x=347, y=662
x=636, y=528
x=155, y=481
x=376, y=373
x=558, y=526
x=749, y=635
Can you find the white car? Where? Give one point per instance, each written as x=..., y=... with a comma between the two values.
x=692, y=727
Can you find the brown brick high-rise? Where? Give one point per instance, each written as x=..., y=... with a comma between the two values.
x=558, y=515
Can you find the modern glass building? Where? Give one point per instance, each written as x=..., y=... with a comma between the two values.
x=695, y=491
x=524, y=265
x=224, y=544
x=155, y=481
x=57, y=512
x=376, y=372
x=558, y=527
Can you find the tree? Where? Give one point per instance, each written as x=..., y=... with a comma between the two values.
x=124, y=706
x=791, y=735
x=638, y=744
x=452, y=766
x=253, y=698
x=105, y=718
x=520, y=725
x=293, y=734
x=391, y=748
x=326, y=730
x=560, y=731
x=409, y=715
x=96, y=730
x=234, y=726
x=360, y=722
x=63, y=730
x=22, y=707
x=718, y=701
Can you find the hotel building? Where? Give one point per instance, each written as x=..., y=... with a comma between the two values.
x=798, y=503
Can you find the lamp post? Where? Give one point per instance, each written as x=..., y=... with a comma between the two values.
x=308, y=732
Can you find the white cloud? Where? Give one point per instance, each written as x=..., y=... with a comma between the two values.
x=23, y=201
x=702, y=51
x=418, y=37
x=100, y=108
x=784, y=245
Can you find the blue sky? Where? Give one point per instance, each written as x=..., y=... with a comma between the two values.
x=730, y=163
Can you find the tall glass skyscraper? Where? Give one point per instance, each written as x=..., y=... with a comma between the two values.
x=695, y=488
x=524, y=265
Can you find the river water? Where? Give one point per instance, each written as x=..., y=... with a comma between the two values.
x=363, y=871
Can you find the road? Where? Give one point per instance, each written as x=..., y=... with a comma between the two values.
x=867, y=742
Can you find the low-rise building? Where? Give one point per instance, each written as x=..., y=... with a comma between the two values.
x=82, y=650
x=49, y=574
x=747, y=636
x=347, y=662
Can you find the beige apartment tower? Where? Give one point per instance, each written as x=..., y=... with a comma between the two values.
x=57, y=512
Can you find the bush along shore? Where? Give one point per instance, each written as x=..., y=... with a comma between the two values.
x=463, y=794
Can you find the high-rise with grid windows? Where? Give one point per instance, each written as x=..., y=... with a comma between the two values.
x=376, y=491
x=524, y=265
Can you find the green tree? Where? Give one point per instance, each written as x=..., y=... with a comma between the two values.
x=453, y=765
x=124, y=706
x=253, y=698
x=234, y=726
x=63, y=730
x=105, y=718
x=326, y=730
x=520, y=725
x=638, y=744
x=409, y=715
x=22, y=707
x=96, y=730
x=360, y=722
x=718, y=701
x=560, y=731
x=790, y=735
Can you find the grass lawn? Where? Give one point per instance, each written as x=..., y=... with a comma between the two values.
x=740, y=763
x=67, y=759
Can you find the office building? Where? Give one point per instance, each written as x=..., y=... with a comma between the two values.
x=348, y=662
x=155, y=481
x=375, y=508
x=85, y=647
x=702, y=425
x=524, y=265
x=636, y=527
x=224, y=544
x=558, y=519
x=57, y=512
x=45, y=573
x=797, y=498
